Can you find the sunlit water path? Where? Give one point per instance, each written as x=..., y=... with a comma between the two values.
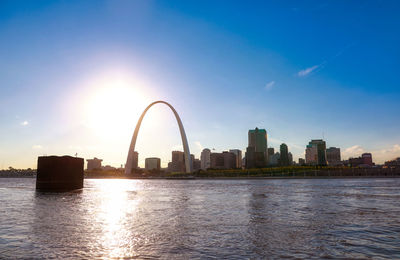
x=350, y=218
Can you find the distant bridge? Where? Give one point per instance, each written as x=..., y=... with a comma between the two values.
x=188, y=160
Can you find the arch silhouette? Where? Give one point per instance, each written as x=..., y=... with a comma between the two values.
x=188, y=160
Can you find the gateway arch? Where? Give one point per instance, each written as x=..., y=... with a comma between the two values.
x=188, y=160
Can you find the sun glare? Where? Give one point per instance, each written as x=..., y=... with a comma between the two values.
x=113, y=105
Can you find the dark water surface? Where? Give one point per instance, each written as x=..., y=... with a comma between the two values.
x=175, y=219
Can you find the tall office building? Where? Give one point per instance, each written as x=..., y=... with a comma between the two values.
x=302, y=161
x=274, y=159
x=290, y=156
x=135, y=161
x=238, y=154
x=196, y=164
x=284, y=160
x=316, y=152
x=270, y=152
x=333, y=156
x=311, y=155
x=205, y=159
x=224, y=160
x=153, y=163
x=178, y=162
x=256, y=152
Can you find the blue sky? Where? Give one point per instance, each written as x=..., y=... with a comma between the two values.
x=75, y=76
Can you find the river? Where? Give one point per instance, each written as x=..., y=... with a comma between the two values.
x=182, y=219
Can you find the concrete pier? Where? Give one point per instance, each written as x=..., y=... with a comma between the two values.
x=59, y=173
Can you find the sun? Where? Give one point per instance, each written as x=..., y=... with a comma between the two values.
x=112, y=105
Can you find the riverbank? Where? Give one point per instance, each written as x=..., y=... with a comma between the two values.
x=265, y=173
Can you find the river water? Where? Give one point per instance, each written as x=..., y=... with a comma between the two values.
x=182, y=219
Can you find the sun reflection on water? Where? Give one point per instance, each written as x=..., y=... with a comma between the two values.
x=118, y=207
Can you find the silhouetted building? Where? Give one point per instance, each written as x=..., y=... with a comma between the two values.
x=274, y=159
x=108, y=168
x=153, y=163
x=196, y=164
x=205, y=159
x=216, y=161
x=367, y=159
x=270, y=151
x=191, y=161
x=94, y=163
x=393, y=163
x=290, y=156
x=356, y=162
x=333, y=156
x=284, y=159
x=302, y=162
x=178, y=162
x=256, y=152
x=135, y=161
x=238, y=154
x=224, y=160
x=311, y=155
x=316, y=152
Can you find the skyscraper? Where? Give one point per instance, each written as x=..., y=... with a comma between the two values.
x=311, y=155
x=205, y=159
x=224, y=160
x=273, y=160
x=152, y=163
x=284, y=160
x=271, y=151
x=178, y=162
x=238, y=154
x=135, y=161
x=290, y=156
x=333, y=156
x=316, y=152
x=256, y=152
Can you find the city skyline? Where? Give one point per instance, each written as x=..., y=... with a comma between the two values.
x=74, y=83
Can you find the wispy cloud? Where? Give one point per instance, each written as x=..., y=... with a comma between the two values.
x=37, y=147
x=324, y=63
x=307, y=71
x=269, y=85
x=25, y=123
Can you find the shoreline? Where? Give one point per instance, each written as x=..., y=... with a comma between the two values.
x=251, y=178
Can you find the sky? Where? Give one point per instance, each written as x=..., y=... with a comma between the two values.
x=76, y=75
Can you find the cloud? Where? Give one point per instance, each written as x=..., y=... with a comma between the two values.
x=37, y=147
x=353, y=151
x=199, y=146
x=305, y=72
x=378, y=156
x=269, y=85
x=383, y=155
x=25, y=123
